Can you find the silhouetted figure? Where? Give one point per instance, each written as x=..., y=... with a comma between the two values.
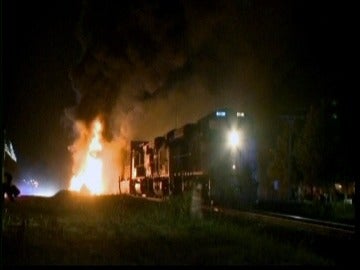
x=8, y=188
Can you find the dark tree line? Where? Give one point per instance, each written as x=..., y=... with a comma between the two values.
x=311, y=151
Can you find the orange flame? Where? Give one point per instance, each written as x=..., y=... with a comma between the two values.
x=89, y=174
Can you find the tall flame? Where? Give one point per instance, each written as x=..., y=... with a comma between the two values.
x=89, y=174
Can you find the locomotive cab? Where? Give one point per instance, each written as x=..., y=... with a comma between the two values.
x=229, y=157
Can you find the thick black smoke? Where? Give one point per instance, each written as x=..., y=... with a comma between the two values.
x=148, y=66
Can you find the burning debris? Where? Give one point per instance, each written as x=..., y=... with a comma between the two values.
x=88, y=163
x=95, y=161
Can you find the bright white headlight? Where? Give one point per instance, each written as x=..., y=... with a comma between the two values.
x=234, y=138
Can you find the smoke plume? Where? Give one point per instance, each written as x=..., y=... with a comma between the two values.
x=150, y=66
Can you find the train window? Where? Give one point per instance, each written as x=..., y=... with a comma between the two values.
x=220, y=113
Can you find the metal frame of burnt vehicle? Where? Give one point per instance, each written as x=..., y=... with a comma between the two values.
x=216, y=154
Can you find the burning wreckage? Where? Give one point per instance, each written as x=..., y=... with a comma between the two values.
x=216, y=155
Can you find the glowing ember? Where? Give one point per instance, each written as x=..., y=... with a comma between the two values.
x=89, y=175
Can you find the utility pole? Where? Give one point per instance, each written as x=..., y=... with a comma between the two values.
x=176, y=115
x=3, y=155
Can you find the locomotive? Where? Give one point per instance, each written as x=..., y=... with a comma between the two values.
x=216, y=154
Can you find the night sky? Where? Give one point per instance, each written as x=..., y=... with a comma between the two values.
x=148, y=66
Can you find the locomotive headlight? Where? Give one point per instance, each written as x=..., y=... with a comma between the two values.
x=234, y=139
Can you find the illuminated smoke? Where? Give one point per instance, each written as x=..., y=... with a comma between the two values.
x=148, y=66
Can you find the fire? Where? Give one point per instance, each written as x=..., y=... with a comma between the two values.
x=89, y=173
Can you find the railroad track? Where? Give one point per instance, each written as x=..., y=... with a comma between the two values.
x=327, y=228
x=340, y=230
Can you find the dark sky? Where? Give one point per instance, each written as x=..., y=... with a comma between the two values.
x=161, y=62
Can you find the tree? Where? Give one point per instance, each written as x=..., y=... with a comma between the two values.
x=282, y=164
x=316, y=149
x=279, y=162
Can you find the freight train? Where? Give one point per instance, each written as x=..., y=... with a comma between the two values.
x=216, y=154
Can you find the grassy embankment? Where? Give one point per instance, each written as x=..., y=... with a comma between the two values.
x=70, y=229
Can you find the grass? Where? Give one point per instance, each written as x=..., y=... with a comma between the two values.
x=70, y=229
